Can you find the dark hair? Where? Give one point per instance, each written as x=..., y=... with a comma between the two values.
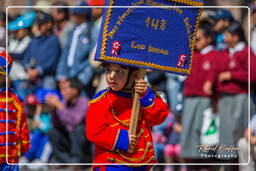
x=235, y=28
x=42, y=18
x=75, y=83
x=207, y=31
x=62, y=10
x=3, y=16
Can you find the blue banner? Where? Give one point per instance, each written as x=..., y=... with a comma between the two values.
x=157, y=36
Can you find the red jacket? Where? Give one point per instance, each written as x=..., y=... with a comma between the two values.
x=107, y=124
x=237, y=64
x=202, y=63
x=253, y=71
x=18, y=135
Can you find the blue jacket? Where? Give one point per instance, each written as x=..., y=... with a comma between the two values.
x=44, y=51
x=81, y=67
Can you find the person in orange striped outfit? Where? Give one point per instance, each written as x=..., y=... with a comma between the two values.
x=14, y=134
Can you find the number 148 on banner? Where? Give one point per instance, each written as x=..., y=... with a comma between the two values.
x=160, y=38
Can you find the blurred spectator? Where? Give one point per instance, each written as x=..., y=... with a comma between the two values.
x=174, y=86
x=172, y=148
x=157, y=80
x=230, y=74
x=62, y=24
x=96, y=17
x=196, y=101
x=74, y=61
x=222, y=19
x=30, y=104
x=2, y=29
x=68, y=137
x=253, y=33
x=40, y=150
x=244, y=143
x=99, y=80
x=40, y=3
x=31, y=101
x=160, y=139
x=41, y=56
x=18, y=43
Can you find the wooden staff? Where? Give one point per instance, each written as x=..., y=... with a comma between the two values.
x=136, y=108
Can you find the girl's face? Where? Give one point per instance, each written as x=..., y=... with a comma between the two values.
x=201, y=40
x=230, y=39
x=116, y=76
x=21, y=33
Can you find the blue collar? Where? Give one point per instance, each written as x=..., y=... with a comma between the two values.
x=123, y=94
x=3, y=89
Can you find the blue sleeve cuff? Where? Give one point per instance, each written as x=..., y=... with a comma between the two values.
x=148, y=99
x=122, y=142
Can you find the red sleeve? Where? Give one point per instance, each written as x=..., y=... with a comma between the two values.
x=153, y=108
x=215, y=67
x=97, y=129
x=25, y=140
x=241, y=74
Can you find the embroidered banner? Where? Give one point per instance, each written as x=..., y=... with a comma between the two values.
x=157, y=36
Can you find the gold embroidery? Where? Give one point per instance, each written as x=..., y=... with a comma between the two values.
x=148, y=106
x=98, y=98
x=146, y=136
x=127, y=164
x=125, y=121
x=118, y=120
x=19, y=112
x=118, y=132
x=25, y=142
x=136, y=159
x=193, y=40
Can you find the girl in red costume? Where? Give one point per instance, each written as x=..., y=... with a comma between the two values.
x=108, y=118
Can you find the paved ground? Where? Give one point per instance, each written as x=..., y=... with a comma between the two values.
x=54, y=168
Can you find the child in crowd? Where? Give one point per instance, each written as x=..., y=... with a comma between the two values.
x=17, y=140
x=172, y=148
x=30, y=104
x=230, y=74
x=160, y=139
x=41, y=150
x=196, y=101
x=108, y=119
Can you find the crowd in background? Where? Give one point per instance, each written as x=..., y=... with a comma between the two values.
x=54, y=72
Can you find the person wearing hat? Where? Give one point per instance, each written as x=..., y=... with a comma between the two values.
x=222, y=19
x=112, y=108
x=16, y=122
x=18, y=43
x=41, y=56
x=74, y=61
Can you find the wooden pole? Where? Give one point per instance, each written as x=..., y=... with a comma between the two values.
x=136, y=107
